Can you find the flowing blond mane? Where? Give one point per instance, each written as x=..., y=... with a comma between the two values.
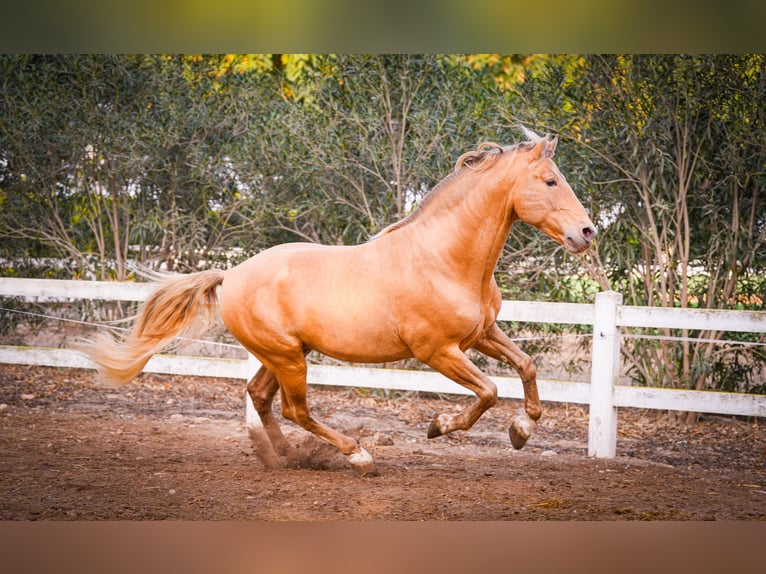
x=485, y=155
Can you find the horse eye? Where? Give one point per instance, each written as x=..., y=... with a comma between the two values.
x=550, y=182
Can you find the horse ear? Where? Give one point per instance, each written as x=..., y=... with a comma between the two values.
x=466, y=160
x=538, y=151
x=550, y=146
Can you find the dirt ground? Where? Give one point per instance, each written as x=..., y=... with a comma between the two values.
x=167, y=447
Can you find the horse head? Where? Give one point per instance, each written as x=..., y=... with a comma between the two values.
x=544, y=199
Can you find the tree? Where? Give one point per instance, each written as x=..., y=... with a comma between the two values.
x=101, y=153
x=674, y=153
x=376, y=133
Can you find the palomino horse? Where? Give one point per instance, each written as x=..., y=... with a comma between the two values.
x=424, y=287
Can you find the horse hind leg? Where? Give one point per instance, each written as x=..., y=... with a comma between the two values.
x=292, y=382
x=262, y=388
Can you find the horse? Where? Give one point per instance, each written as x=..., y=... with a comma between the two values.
x=423, y=287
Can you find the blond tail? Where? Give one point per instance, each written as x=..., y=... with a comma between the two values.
x=182, y=304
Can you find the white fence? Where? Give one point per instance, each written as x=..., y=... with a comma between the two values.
x=602, y=395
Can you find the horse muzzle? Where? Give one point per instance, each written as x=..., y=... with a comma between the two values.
x=580, y=240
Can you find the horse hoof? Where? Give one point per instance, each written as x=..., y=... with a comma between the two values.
x=362, y=462
x=518, y=441
x=521, y=429
x=436, y=428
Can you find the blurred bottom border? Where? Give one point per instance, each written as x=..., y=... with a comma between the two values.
x=372, y=547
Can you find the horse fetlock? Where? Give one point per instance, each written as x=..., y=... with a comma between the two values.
x=534, y=412
x=362, y=462
x=525, y=424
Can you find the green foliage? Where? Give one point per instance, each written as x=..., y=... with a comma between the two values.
x=201, y=160
x=377, y=133
x=671, y=150
x=104, y=152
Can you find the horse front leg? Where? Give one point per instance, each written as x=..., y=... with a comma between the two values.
x=453, y=364
x=497, y=345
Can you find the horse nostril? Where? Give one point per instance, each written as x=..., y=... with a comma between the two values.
x=589, y=233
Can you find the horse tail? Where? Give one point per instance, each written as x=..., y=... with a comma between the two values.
x=183, y=304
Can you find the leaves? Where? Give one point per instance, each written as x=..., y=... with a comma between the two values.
x=671, y=148
x=184, y=161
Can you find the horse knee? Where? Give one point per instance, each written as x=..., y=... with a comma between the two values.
x=261, y=402
x=262, y=388
x=488, y=395
x=528, y=367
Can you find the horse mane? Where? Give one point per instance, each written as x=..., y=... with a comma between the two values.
x=485, y=155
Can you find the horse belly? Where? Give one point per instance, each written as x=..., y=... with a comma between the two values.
x=352, y=326
x=327, y=298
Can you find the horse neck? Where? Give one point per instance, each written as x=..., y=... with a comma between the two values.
x=466, y=227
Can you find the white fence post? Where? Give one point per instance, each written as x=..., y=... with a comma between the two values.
x=251, y=416
x=605, y=367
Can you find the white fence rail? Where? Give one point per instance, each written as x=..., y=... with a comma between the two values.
x=602, y=395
